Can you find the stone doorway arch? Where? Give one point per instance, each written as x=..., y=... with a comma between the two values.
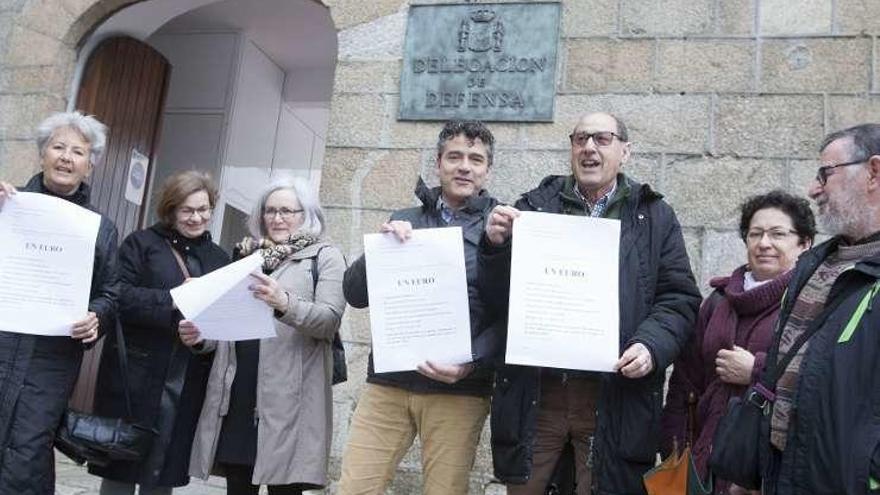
x=39, y=45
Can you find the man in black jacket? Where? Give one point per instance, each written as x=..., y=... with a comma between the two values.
x=446, y=405
x=611, y=420
x=822, y=435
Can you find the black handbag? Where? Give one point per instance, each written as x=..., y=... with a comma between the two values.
x=736, y=449
x=340, y=368
x=737, y=453
x=100, y=440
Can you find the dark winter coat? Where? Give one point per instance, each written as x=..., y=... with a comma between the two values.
x=485, y=338
x=157, y=361
x=37, y=373
x=832, y=444
x=658, y=304
x=731, y=316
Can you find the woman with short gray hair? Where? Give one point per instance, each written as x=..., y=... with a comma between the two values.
x=313, y=215
x=39, y=371
x=277, y=426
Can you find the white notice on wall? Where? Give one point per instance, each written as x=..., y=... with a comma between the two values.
x=136, y=181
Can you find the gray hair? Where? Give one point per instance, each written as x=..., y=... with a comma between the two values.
x=91, y=129
x=865, y=140
x=313, y=215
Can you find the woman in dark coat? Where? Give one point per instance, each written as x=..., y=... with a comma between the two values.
x=37, y=373
x=735, y=324
x=167, y=381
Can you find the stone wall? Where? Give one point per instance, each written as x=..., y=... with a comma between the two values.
x=38, y=41
x=723, y=98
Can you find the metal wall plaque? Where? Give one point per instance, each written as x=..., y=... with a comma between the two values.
x=486, y=61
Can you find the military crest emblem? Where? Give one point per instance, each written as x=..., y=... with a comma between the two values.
x=481, y=32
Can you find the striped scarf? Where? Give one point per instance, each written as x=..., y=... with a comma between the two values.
x=809, y=305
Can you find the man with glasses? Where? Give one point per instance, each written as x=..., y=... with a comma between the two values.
x=445, y=405
x=823, y=434
x=610, y=419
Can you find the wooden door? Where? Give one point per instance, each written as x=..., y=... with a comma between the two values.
x=124, y=86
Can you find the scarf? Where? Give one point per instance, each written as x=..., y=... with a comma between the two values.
x=275, y=253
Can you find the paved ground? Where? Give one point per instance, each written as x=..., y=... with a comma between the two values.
x=71, y=479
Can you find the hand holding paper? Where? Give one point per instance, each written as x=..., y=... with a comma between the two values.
x=6, y=190
x=563, y=292
x=499, y=226
x=418, y=299
x=47, y=252
x=222, y=305
x=189, y=333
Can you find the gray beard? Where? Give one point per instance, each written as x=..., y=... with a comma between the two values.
x=851, y=220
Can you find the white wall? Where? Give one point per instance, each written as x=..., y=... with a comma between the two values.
x=257, y=104
x=299, y=145
x=225, y=114
x=195, y=115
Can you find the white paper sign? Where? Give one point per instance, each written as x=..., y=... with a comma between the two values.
x=418, y=299
x=138, y=168
x=222, y=307
x=564, y=292
x=47, y=251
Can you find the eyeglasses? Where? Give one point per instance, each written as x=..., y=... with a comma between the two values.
x=203, y=212
x=754, y=236
x=603, y=138
x=822, y=174
x=286, y=213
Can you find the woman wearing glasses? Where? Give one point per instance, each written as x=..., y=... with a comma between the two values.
x=267, y=418
x=166, y=381
x=735, y=324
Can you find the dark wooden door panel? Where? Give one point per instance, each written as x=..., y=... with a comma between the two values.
x=124, y=86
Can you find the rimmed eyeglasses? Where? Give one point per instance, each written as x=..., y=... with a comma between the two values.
x=602, y=138
x=285, y=213
x=822, y=174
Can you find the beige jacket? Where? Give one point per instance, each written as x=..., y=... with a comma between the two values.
x=294, y=400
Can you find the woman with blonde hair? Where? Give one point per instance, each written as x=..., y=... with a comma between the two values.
x=166, y=381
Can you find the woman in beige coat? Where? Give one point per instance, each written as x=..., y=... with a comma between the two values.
x=267, y=415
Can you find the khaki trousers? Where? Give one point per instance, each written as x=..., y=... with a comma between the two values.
x=384, y=425
x=567, y=413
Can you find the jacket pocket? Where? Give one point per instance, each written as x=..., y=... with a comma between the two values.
x=639, y=423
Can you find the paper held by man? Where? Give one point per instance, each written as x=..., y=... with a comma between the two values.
x=221, y=305
x=47, y=248
x=418, y=299
x=563, y=292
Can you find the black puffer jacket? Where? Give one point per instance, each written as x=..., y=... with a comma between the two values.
x=658, y=305
x=37, y=373
x=166, y=381
x=485, y=338
x=833, y=442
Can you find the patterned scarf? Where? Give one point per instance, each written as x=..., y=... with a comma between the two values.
x=275, y=254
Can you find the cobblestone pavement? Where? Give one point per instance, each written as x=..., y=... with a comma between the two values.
x=71, y=479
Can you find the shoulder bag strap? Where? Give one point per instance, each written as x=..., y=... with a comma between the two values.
x=315, y=269
x=766, y=386
x=179, y=260
x=122, y=355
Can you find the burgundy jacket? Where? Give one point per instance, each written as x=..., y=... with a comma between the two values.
x=746, y=319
